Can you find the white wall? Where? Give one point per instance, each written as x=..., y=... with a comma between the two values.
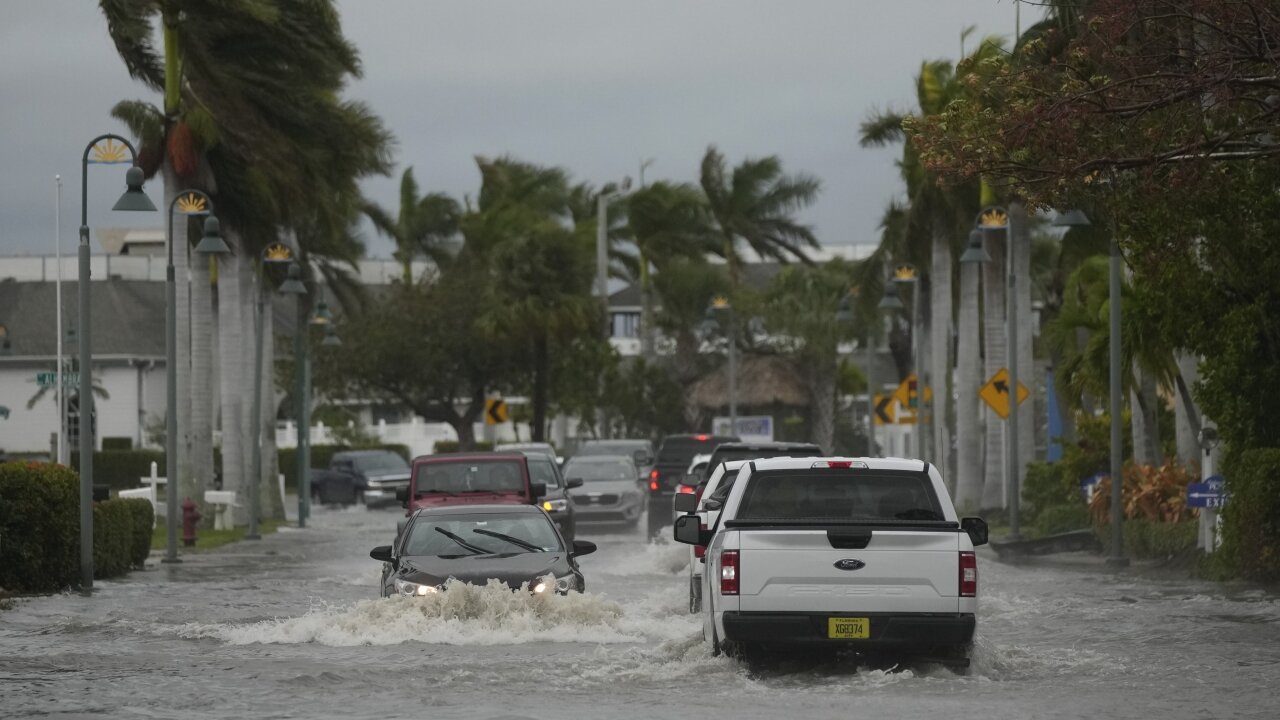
x=30, y=430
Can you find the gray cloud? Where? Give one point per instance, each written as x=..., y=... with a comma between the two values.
x=593, y=86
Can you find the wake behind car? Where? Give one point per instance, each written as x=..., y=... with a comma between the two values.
x=516, y=545
x=855, y=553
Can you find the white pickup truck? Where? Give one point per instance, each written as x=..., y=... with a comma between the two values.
x=859, y=553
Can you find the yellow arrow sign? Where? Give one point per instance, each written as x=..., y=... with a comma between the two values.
x=996, y=393
x=886, y=410
x=495, y=411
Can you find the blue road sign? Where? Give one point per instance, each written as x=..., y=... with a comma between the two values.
x=1212, y=493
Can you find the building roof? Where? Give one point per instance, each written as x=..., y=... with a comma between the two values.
x=754, y=275
x=131, y=241
x=128, y=318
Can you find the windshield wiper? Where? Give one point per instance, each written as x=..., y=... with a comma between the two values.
x=442, y=492
x=475, y=550
x=513, y=540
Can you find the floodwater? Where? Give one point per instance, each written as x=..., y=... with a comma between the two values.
x=291, y=627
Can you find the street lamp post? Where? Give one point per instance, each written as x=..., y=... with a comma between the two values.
x=602, y=248
x=720, y=303
x=188, y=203
x=890, y=301
x=274, y=254
x=302, y=358
x=106, y=150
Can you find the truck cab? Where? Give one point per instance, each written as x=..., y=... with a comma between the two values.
x=855, y=553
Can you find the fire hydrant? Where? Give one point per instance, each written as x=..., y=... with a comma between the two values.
x=190, y=516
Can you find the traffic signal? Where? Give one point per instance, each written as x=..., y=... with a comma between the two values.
x=913, y=393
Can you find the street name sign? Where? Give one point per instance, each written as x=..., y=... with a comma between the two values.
x=50, y=379
x=996, y=393
x=1212, y=493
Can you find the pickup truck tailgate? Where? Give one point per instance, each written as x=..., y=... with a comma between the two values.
x=848, y=569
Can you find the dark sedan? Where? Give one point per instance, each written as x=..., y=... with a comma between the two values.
x=517, y=545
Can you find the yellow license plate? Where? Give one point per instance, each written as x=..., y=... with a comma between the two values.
x=848, y=628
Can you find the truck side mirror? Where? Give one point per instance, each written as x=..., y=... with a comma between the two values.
x=689, y=531
x=976, y=527
x=685, y=502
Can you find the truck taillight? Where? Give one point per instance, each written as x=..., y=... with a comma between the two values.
x=968, y=574
x=686, y=489
x=653, y=485
x=728, y=572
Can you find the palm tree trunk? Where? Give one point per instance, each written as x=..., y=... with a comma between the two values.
x=541, y=368
x=248, y=323
x=996, y=354
x=231, y=349
x=201, y=381
x=1188, y=447
x=1028, y=419
x=183, y=485
x=1146, y=431
x=272, y=503
x=822, y=388
x=969, y=478
x=940, y=353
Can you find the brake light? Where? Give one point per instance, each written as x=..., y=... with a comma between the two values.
x=686, y=490
x=653, y=484
x=839, y=464
x=701, y=438
x=728, y=572
x=653, y=474
x=968, y=574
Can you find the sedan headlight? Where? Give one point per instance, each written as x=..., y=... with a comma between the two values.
x=561, y=585
x=555, y=505
x=404, y=587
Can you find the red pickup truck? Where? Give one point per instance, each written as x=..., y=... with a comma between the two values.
x=470, y=479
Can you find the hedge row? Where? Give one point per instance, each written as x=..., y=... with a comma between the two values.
x=40, y=529
x=452, y=446
x=124, y=469
x=1251, y=519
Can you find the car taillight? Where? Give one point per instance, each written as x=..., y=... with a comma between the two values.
x=968, y=574
x=728, y=572
x=702, y=438
x=686, y=490
x=653, y=484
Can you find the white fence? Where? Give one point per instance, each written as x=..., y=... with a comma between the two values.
x=420, y=437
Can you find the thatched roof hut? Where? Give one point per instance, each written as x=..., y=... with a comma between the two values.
x=763, y=381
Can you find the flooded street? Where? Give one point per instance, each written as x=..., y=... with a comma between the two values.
x=292, y=627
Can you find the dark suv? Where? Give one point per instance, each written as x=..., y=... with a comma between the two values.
x=727, y=452
x=674, y=455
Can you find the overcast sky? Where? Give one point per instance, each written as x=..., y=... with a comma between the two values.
x=595, y=86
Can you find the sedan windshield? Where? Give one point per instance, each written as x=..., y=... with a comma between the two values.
x=592, y=470
x=474, y=534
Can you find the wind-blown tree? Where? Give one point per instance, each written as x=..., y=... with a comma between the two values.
x=423, y=226
x=800, y=314
x=755, y=204
x=668, y=221
x=251, y=109
x=934, y=229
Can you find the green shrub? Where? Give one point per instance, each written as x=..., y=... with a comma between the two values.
x=1061, y=518
x=123, y=469
x=1048, y=485
x=112, y=538
x=452, y=446
x=1148, y=539
x=143, y=521
x=39, y=527
x=322, y=454
x=1251, y=518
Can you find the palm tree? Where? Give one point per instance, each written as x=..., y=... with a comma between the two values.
x=755, y=203
x=251, y=105
x=423, y=226
x=667, y=221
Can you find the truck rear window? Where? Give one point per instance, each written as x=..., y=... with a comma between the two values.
x=679, y=450
x=840, y=495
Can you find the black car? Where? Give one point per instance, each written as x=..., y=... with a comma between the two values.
x=674, y=456
x=371, y=475
x=517, y=545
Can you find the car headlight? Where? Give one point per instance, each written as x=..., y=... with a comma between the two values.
x=404, y=587
x=555, y=505
x=560, y=584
